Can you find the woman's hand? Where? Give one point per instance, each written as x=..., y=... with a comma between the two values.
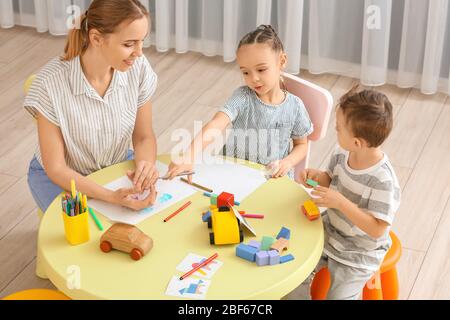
x=176, y=169
x=124, y=197
x=144, y=176
x=312, y=174
x=328, y=198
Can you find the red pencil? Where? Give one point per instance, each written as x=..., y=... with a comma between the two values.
x=200, y=265
x=184, y=206
x=254, y=216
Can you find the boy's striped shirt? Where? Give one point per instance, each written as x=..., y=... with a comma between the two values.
x=374, y=190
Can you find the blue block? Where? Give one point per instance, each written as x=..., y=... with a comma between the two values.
x=206, y=216
x=286, y=258
x=246, y=252
x=254, y=244
x=274, y=257
x=262, y=258
x=284, y=233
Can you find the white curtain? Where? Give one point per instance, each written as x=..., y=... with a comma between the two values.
x=405, y=42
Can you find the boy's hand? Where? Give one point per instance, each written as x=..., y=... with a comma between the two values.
x=312, y=174
x=328, y=198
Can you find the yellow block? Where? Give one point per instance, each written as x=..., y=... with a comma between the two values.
x=311, y=208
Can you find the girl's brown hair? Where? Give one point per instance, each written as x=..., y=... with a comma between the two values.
x=104, y=16
x=263, y=34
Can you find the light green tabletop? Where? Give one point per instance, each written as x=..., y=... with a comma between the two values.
x=115, y=275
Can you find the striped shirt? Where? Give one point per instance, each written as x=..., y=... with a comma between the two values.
x=97, y=131
x=262, y=132
x=374, y=190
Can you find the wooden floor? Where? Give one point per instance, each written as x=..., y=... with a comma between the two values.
x=192, y=87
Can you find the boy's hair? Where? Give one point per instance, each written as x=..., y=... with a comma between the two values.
x=369, y=114
x=263, y=34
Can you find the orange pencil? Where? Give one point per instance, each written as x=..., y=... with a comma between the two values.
x=184, y=206
x=200, y=265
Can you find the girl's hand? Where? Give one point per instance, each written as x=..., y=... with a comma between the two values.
x=328, y=198
x=144, y=176
x=312, y=174
x=124, y=198
x=280, y=168
x=176, y=169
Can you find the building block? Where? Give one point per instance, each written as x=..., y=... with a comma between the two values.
x=246, y=252
x=224, y=209
x=254, y=244
x=284, y=233
x=280, y=245
x=312, y=183
x=225, y=199
x=262, y=258
x=286, y=258
x=274, y=257
x=267, y=242
x=206, y=216
x=213, y=199
x=213, y=207
x=310, y=210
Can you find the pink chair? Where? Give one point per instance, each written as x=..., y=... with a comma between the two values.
x=318, y=102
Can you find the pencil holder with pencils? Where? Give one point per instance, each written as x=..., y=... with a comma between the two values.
x=75, y=216
x=76, y=228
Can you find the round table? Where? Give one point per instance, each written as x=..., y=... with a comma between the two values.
x=115, y=275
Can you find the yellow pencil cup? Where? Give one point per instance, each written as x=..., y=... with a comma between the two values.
x=76, y=228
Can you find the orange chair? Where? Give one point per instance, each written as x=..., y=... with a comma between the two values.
x=382, y=286
x=37, y=294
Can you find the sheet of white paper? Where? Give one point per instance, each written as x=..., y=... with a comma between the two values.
x=190, y=287
x=205, y=272
x=230, y=177
x=169, y=192
x=243, y=221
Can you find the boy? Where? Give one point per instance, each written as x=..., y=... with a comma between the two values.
x=361, y=192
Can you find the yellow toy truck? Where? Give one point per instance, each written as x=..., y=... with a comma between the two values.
x=225, y=227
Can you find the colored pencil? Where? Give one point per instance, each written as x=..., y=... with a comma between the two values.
x=180, y=175
x=184, y=206
x=254, y=216
x=196, y=185
x=73, y=189
x=200, y=265
x=97, y=222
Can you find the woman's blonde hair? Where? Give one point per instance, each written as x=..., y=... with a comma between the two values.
x=104, y=16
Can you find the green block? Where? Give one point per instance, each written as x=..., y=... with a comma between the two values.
x=267, y=242
x=214, y=199
x=312, y=183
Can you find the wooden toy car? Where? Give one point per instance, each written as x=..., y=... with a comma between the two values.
x=126, y=238
x=310, y=210
x=225, y=226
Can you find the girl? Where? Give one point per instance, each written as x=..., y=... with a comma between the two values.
x=91, y=103
x=264, y=116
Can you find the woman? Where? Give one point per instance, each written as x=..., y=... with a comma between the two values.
x=92, y=103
